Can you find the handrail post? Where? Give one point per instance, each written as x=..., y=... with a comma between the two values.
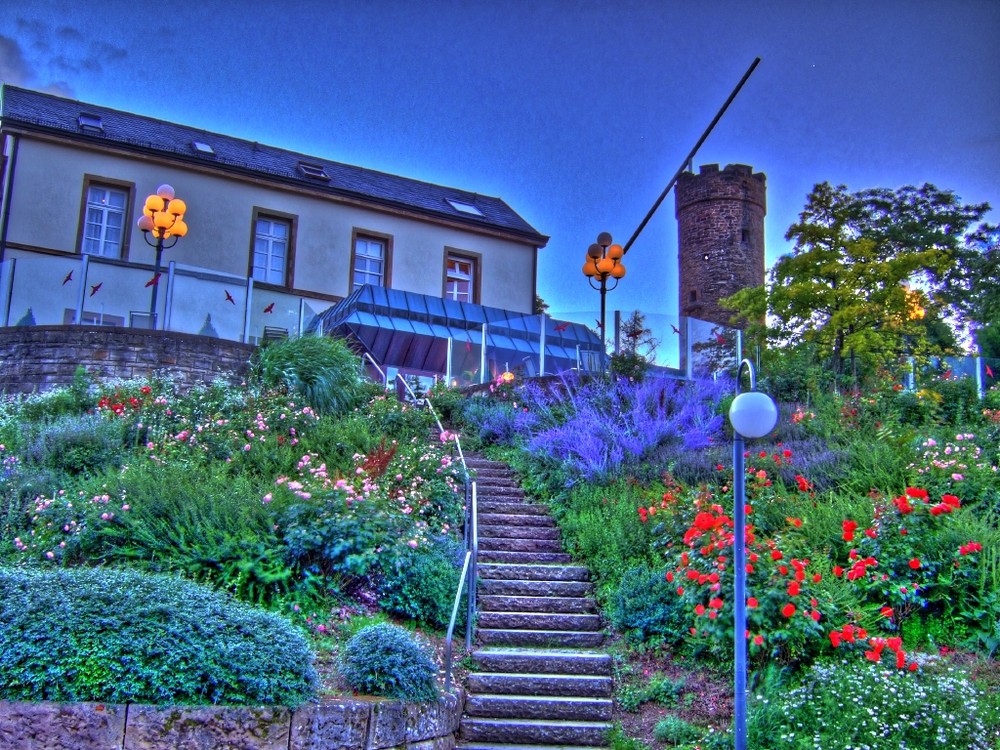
x=451, y=625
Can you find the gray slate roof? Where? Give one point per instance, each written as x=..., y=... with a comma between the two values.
x=35, y=111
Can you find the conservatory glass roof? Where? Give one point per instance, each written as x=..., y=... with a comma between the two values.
x=410, y=331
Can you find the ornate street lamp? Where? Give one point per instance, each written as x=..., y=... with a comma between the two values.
x=604, y=261
x=752, y=414
x=163, y=218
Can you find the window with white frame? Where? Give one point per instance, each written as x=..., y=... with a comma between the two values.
x=370, y=261
x=460, y=278
x=104, y=221
x=270, y=250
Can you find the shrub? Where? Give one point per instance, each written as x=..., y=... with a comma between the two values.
x=860, y=704
x=420, y=584
x=645, y=607
x=125, y=637
x=82, y=444
x=385, y=660
x=599, y=527
x=676, y=731
x=321, y=370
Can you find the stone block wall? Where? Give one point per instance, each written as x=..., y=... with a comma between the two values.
x=40, y=358
x=337, y=724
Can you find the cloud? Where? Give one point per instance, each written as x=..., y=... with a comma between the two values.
x=13, y=67
x=16, y=70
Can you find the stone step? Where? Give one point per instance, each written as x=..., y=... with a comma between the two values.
x=506, y=495
x=537, y=621
x=503, y=544
x=509, y=505
x=493, y=706
x=502, y=683
x=496, y=479
x=498, y=587
x=537, y=660
x=514, y=519
x=549, y=604
x=526, y=558
x=529, y=572
x=535, y=731
x=525, y=531
x=480, y=463
x=549, y=638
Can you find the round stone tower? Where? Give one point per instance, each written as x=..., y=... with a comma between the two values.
x=720, y=228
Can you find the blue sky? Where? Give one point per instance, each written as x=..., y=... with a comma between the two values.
x=576, y=113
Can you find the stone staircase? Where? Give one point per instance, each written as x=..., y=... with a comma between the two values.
x=543, y=682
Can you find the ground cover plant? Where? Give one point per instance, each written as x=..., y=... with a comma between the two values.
x=303, y=493
x=874, y=552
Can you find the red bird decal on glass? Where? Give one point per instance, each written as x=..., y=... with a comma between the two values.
x=69, y=278
x=229, y=297
x=989, y=371
x=675, y=328
x=95, y=288
x=561, y=327
x=269, y=308
x=468, y=346
x=720, y=339
x=154, y=280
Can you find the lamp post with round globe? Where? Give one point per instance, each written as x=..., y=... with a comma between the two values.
x=753, y=415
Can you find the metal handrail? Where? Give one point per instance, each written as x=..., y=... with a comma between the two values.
x=385, y=378
x=470, y=568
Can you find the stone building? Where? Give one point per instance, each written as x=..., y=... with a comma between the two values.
x=720, y=227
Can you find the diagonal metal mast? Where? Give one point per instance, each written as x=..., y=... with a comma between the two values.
x=690, y=157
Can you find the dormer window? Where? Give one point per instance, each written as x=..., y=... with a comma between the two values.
x=313, y=171
x=90, y=123
x=465, y=208
x=203, y=148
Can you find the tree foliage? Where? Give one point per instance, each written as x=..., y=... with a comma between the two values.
x=873, y=274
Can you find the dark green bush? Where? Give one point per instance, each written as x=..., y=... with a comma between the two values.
x=385, y=660
x=420, y=584
x=645, y=608
x=122, y=636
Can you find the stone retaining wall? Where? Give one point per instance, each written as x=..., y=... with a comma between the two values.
x=338, y=724
x=40, y=358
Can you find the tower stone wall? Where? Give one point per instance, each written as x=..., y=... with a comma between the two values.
x=720, y=226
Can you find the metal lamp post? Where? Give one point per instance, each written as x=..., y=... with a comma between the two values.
x=752, y=414
x=604, y=262
x=163, y=218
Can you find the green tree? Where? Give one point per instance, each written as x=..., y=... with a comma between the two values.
x=846, y=287
x=974, y=291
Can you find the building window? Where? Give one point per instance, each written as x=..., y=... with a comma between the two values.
x=461, y=278
x=104, y=221
x=370, y=263
x=272, y=238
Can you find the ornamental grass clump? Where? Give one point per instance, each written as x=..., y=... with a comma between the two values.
x=121, y=636
x=321, y=370
x=385, y=660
